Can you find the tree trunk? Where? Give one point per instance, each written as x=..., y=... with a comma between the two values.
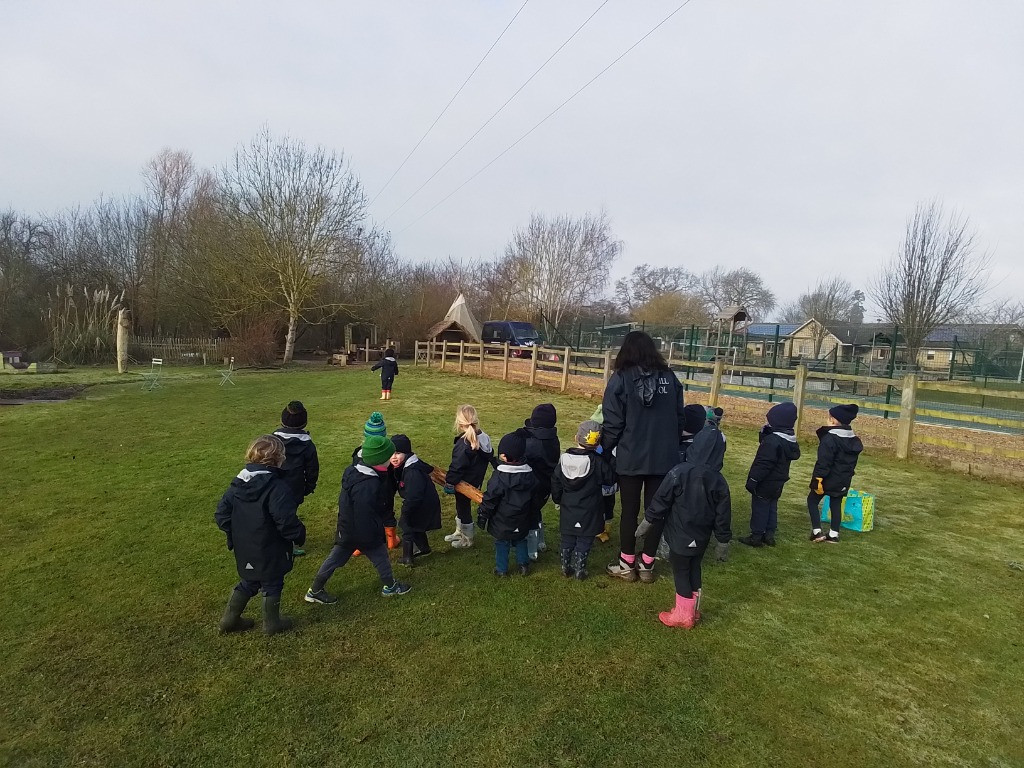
x=289, y=339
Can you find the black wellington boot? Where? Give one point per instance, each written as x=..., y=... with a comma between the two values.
x=579, y=566
x=407, y=552
x=273, y=621
x=233, y=621
x=566, y=560
x=753, y=540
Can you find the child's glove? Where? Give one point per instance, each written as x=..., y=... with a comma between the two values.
x=643, y=528
x=751, y=486
x=818, y=486
x=392, y=537
x=449, y=489
x=482, y=521
x=722, y=551
x=609, y=490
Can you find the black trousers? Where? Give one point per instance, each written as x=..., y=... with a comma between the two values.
x=463, y=509
x=631, y=487
x=386, y=382
x=581, y=544
x=764, y=515
x=686, y=571
x=835, y=504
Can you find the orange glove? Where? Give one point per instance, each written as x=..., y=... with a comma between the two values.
x=819, y=487
x=393, y=541
x=357, y=553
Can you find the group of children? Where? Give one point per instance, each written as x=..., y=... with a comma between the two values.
x=258, y=512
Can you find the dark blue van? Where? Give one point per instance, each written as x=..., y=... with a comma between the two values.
x=516, y=333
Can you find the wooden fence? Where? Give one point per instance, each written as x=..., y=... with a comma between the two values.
x=805, y=388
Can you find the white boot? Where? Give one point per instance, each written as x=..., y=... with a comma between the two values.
x=465, y=540
x=457, y=533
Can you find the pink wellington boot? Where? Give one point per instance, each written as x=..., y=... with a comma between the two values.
x=681, y=615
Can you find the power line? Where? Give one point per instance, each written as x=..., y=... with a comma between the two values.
x=498, y=111
x=551, y=114
x=450, y=101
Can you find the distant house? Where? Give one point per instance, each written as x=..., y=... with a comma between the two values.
x=761, y=338
x=873, y=343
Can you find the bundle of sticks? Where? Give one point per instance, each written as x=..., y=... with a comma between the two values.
x=471, y=492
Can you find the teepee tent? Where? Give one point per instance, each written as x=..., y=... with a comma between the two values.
x=458, y=325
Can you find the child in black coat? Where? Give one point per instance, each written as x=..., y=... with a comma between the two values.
x=301, y=468
x=576, y=487
x=471, y=455
x=421, y=507
x=838, y=451
x=388, y=367
x=777, y=449
x=693, y=502
x=542, y=452
x=258, y=514
x=507, y=506
x=362, y=512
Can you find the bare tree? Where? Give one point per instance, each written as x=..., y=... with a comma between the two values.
x=298, y=211
x=721, y=289
x=935, y=277
x=564, y=262
x=832, y=300
x=673, y=309
x=646, y=282
x=21, y=276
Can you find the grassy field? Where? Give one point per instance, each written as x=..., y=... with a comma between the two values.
x=899, y=647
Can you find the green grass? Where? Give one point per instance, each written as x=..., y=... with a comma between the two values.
x=898, y=647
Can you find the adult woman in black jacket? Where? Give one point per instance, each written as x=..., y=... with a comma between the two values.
x=643, y=423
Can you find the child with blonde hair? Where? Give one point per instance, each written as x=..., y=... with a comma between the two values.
x=471, y=454
x=258, y=515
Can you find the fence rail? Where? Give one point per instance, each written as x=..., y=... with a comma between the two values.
x=196, y=351
x=895, y=398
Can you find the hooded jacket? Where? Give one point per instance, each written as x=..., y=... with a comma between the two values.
x=576, y=488
x=776, y=450
x=388, y=368
x=301, y=468
x=469, y=465
x=421, y=506
x=507, y=507
x=838, y=451
x=362, y=508
x=388, y=488
x=643, y=420
x=542, y=451
x=257, y=512
x=693, y=500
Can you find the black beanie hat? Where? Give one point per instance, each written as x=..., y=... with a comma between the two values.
x=513, y=446
x=844, y=414
x=782, y=416
x=693, y=418
x=544, y=416
x=294, y=415
x=402, y=444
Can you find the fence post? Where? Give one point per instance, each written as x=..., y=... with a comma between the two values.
x=908, y=408
x=565, y=369
x=671, y=344
x=607, y=365
x=430, y=351
x=504, y=372
x=367, y=350
x=462, y=355
x=533, y=364
x=122, y=340
x=716, y=382
x=481, y=360
x=444, y=353
x=799, y=383
x=415, y=354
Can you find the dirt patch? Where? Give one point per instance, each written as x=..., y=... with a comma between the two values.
x=40, y=394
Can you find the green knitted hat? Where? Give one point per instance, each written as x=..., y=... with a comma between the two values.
x=377, y=450
x=374, y=426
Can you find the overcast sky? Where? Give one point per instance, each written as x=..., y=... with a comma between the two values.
x=793, y=137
